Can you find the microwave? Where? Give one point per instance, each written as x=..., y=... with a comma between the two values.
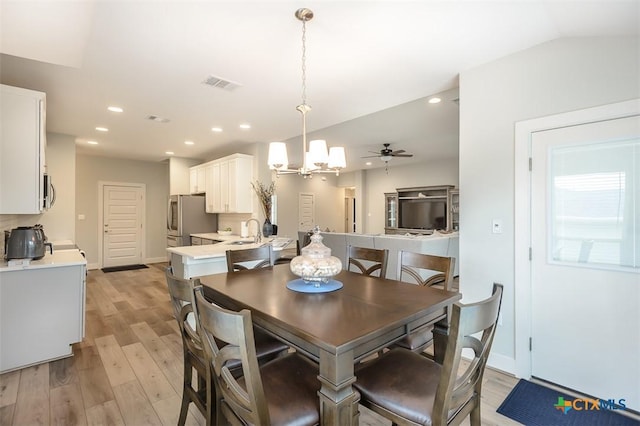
x=48, y=193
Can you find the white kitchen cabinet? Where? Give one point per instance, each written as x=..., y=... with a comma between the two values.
x=179, y=175
x=22, y=150
x=213, y=203
x=229, y=185
x=197, y=179
x=42, y=309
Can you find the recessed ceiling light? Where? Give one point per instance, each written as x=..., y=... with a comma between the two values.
x=169, y=152
x=102, y=129
x=434, y=100
x=368, y=163
x=115, y=109
x=216, y=129
x=245, y=126
x=189, y=142
x=92, y=142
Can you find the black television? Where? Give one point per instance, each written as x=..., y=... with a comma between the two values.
x=422, y=214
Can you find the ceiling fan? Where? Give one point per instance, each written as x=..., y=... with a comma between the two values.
x=387, y=154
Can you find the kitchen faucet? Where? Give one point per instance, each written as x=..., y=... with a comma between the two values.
x=258, y=237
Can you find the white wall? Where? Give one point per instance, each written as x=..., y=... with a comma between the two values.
x=90, y=170
x=554, y=77
x=329, y=202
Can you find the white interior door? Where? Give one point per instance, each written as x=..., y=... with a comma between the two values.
x=585, y=271
x=306, y=212
x=122, y=225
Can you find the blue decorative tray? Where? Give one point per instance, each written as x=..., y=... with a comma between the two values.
x=301, y=286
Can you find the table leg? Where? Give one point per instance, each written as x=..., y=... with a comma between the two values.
x=440, y=337
x=338, y=400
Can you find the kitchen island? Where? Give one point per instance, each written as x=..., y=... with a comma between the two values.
x=42, y=308
x=196, y=261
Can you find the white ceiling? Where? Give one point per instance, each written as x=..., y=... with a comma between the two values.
x=363, y=58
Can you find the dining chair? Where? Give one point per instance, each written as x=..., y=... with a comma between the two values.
x=421, y=267
x=368, y=260
x=407, y=388
x=181, y=293
x=281, y=392
x=287, y=258
x=240, y=260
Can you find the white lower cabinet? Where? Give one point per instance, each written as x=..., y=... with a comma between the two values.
x=41, y=314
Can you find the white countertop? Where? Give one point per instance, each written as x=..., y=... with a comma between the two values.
x=220, y=249
x=216, y=236
x=57, y=259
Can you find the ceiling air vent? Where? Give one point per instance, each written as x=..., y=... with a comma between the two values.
x=157, y=119
x=221, y=83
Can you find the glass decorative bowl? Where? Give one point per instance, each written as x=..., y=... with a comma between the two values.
x=315, y=265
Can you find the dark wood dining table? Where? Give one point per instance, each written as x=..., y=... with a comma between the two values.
x=337, y=329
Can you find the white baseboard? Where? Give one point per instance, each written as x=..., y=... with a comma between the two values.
x=496, y=361
x=91, y=266
x=502, y=363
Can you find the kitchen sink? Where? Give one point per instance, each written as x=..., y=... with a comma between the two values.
x=240, y=243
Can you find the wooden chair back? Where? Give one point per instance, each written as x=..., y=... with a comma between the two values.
x=460, y=393
x=412, y=264
x=237, y=259
x=240, y=400
x=374, y=260
x=181, y=293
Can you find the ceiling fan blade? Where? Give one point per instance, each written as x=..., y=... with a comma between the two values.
x=400, y=151
x=402, y=155
x=374, y=152
x=371, y=156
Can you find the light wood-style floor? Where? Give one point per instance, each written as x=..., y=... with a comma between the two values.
x=128, y=369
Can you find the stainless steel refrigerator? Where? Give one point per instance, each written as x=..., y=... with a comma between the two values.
x=186, y=215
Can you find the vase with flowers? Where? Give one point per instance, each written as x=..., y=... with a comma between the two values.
x=265, y=195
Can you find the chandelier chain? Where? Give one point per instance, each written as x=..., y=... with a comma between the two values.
x=304, y=62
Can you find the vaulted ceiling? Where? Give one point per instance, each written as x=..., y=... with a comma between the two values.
x=371, y=66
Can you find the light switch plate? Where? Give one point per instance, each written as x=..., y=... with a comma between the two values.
x=496, y=226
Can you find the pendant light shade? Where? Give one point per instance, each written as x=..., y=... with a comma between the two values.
x=318, y=152
x=278, y=158
x=337, y=159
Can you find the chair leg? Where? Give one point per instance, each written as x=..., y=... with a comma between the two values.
x=211, y=415
x=184, y=408
x=474, y=417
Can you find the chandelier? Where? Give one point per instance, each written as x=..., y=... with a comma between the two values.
x=317, y=159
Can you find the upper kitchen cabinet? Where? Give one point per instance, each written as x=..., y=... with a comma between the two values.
x=197, y=179
x=22, y=149
x=213, y=198
x=179, y=175
x=229, y=184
